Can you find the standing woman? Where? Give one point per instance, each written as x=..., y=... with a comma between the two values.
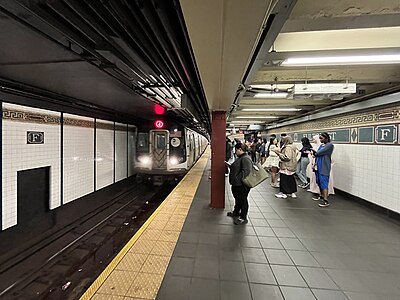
x=322, y=168
x=314, y=188
x=288, y=163
x=263, y=151
x=272, y=161
x=302, y=164
x=240, y=168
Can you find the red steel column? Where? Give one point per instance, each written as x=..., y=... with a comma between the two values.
x=218, y=159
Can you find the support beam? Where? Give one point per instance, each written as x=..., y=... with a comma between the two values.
x=218, y=159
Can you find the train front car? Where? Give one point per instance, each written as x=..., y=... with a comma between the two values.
x=161, y=153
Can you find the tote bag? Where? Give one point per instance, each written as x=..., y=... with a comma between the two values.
x=256, y=176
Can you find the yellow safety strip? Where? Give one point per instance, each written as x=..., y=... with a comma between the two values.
x=90, y=292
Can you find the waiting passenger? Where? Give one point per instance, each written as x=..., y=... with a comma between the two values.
x=272, y=162
x=314, y=188
x=322, y=167
x=240, y=168
x=302, y=164
x=263, y=151
x=288, y=162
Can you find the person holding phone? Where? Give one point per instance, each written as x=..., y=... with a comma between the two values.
x=239, y=170
x=322, y=167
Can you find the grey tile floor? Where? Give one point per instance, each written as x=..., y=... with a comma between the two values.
x=290, y=249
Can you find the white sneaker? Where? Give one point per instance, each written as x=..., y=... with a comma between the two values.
x=309, y=190
x=280, y=195
x=293, y=195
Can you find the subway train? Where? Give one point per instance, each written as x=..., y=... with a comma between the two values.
x=165, y=151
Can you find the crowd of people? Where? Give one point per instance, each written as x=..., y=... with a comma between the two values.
x=284, y=161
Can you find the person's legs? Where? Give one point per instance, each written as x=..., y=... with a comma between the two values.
x=301, y=170
x=273, y=176
x=236, y=196
x=323, y=182
x=244, y=202
x=242, y=193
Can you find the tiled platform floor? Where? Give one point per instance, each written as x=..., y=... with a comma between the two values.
x=291, y=249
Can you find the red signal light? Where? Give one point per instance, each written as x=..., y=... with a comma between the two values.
x=159, y=110
x=159, y=124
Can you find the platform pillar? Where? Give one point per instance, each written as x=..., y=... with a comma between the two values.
x=218, y=145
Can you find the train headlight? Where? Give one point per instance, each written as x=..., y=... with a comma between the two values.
x=146, y=160
x=173, y=161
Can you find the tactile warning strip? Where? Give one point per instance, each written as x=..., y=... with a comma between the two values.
x=138, y=269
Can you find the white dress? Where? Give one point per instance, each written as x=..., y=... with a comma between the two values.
x=272, y=159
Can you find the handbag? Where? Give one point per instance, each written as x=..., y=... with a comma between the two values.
x=256, y=176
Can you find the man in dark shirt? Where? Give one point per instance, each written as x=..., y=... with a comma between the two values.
x=240, y=168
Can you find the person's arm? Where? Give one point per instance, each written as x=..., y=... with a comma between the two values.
x=247, y=165
x=328, y=149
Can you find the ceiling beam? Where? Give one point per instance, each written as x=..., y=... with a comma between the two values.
x=341, y=22
x=358, y=74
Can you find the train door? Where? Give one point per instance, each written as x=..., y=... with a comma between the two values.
x=159, y=148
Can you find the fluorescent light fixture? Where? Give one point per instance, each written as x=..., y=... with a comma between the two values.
x=324, y=88
x=271, y=95
x=271, y=109
x=256, y=117
x=342, y=60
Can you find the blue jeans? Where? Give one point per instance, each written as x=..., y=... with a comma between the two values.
x=301, y=170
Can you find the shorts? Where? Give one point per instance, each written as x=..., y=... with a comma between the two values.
x=322, y=181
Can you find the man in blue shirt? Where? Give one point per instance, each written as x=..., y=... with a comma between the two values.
x=322, y=167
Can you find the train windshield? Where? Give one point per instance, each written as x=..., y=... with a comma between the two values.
x=161, y=141
x=143, y=142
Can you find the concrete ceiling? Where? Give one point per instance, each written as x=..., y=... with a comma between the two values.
x=224, y=35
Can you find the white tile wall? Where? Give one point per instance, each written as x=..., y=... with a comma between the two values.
x=78, y=174
x=104, y=155
x=369, y=172
x=121, y=158
x=18, y=155
x=131, y=149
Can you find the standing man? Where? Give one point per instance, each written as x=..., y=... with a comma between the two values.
x=240, y=168
x=322, y=166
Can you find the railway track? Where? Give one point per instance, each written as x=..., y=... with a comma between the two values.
x=62, y=266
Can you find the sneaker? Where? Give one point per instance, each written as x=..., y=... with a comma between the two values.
x=305, y=185
x=280, y=195
x=276, y=185
x=323, y=203
x=316, y=198
x=232, y=214
x=300, y=185
x=293, y=195
x=240, y=221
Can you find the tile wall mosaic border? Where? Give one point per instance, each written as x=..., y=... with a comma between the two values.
x=29, y=117
x=380, y=127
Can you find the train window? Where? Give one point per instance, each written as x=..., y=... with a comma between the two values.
x=143, y=142
x=178, y=149
x=161, y=141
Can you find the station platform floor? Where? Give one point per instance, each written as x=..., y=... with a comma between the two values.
x=290, y=249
